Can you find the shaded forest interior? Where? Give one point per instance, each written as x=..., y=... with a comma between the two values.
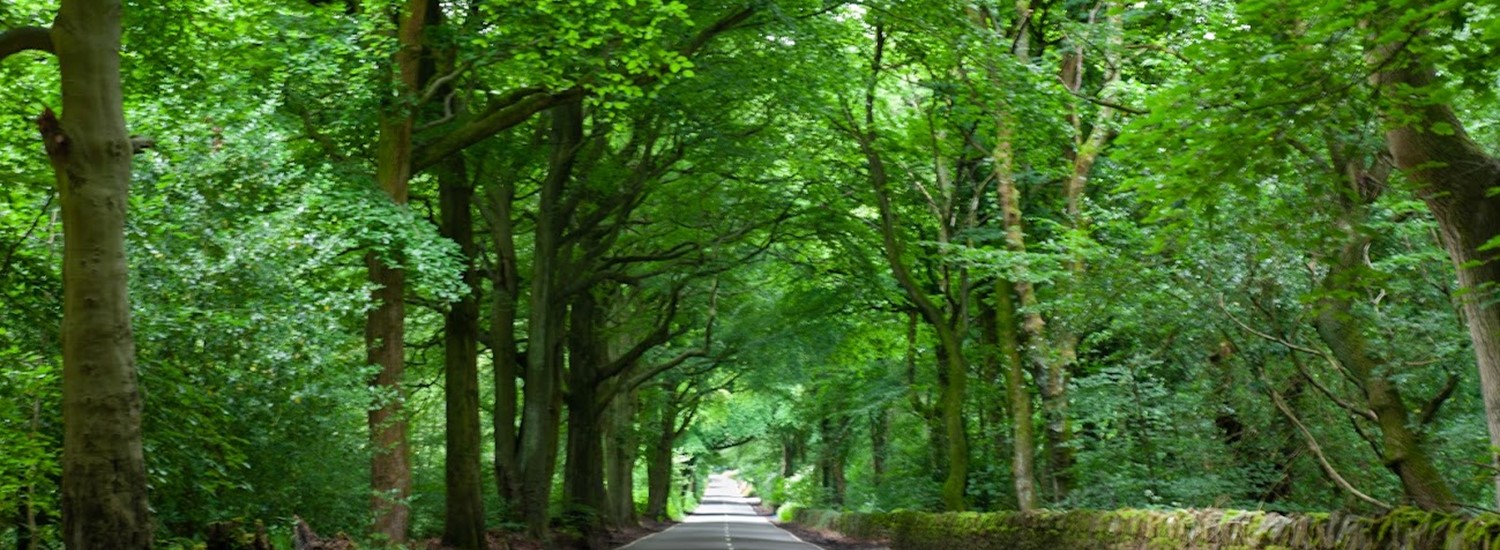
x=414, y=270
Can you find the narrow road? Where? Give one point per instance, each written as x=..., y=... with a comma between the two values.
x=723, y=521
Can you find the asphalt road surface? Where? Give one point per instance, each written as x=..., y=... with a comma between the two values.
x=723, y=521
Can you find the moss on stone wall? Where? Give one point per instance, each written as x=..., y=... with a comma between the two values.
x=1403, y=528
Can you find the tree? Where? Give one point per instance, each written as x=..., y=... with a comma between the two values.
x=104, y=472
x=1453, y=173
x=385, y=326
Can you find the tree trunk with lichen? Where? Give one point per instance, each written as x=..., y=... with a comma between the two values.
x=953, y=370
x=583, y=470
x=659, y=457
x=1342, y=330
x=1023, y=463
x=620, y=451
x=503, y=350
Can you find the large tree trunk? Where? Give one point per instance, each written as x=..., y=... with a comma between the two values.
x=880, y=423
x=1023, y=463
x=953, y=367
x=789, y=465
x=104, y=472
x=1341, y=330
x=659, y=460
x=831, y=460
x=922, y=405
x=506, y=279
x=583, y=473
x=463, y=525
x=956, y=375
x=1403, y=451
x=390, y=465
x=1049, y=370
x=619, y=460
x=1454, y=177
x=540, y=413
x=385, y=324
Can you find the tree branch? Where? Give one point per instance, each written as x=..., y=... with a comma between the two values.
x=724, y=445
x=1317, y=450
x=1327, y=392
x=707, y=35
x=644, y=377
x=512, y=109
x=1111, y=104
x=661, y=335
x=520, y=105
x=22, y=39
x=1430, y=409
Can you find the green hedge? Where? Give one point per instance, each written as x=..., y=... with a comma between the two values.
x=1162, y=530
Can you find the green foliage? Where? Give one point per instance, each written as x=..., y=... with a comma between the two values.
x=731, y=174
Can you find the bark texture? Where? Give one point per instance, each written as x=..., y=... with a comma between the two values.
x=540, y=415
x=583, y=473
x=1049, y=371
x=463, y=520
x=659, y=459
x=104, y=473
x=1342, y=330
x=385, y=324
x=953, y=369
x=504, y=354
x=1454, y=176
x=1023, y=462
x=620, y=448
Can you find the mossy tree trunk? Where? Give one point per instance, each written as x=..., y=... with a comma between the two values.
x=620, y=453
x=670, y=424
x=1023, y=462
x=504, y=354
x=1342, y=330
x=583, y=471
x=949, y=326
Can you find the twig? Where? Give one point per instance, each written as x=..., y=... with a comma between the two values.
x=1430, y=409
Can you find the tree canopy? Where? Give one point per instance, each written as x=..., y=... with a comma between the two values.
x=411, y=269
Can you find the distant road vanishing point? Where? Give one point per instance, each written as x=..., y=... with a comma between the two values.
x=723, y=521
